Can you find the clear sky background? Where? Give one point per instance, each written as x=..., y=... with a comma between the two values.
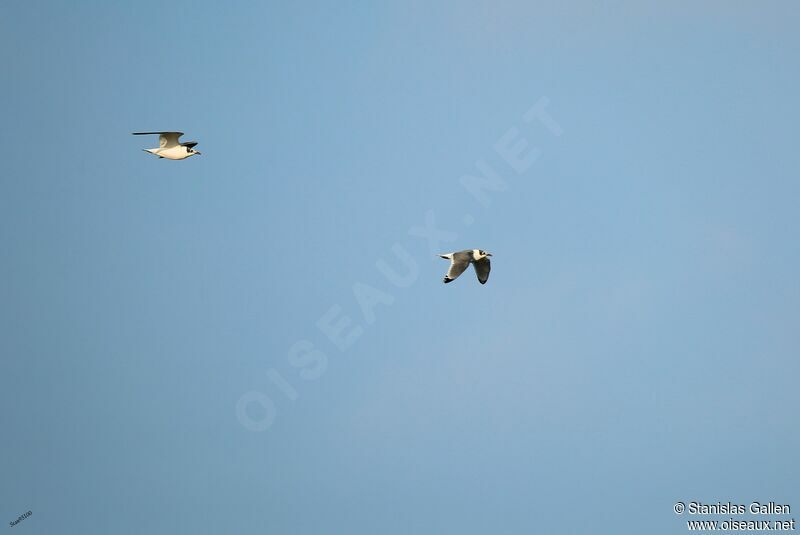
x=636, y=344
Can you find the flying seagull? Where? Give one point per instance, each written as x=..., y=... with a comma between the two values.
x=171, y=148
x=461, y=260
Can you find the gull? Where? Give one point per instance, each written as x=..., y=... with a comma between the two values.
x=171, y=148
x=461, y=260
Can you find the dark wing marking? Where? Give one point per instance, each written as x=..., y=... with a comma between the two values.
x=482, y=269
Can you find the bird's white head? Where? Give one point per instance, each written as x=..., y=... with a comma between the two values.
x=478, y=254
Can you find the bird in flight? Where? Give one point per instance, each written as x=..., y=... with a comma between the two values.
x=170, y=146
x=461, y=260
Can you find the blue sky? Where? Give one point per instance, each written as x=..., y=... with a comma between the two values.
x=635, y=346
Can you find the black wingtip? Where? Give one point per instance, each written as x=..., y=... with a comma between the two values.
x=483, y=282
x=446, y=280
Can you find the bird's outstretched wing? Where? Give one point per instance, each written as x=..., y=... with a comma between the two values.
x=482, y=269
x=458, y=263
x=166, y=139
x=189, y=144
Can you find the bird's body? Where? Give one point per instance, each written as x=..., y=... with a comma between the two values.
x=461, y=260
x=171, y=148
